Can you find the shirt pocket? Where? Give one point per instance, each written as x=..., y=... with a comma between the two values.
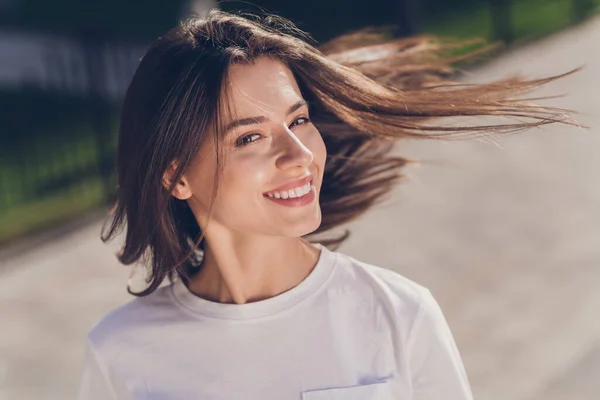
x=372, y=391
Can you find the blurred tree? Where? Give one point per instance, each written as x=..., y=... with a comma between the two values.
x=135, y=20
x=408, y=17
x=90, y=26
x=501, y=20
x=582, y=8
x=326, y=19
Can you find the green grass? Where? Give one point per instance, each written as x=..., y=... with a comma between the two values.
x=475, y=23
x=530, y=18
x=45, y=158
x=535, y=18
x=24, y=218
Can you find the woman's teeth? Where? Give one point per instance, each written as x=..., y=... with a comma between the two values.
x=292, y=193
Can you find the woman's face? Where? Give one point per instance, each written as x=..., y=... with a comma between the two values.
x=272, y=144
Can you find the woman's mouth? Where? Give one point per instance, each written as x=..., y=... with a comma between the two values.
x=291, y=193
x=298, y=196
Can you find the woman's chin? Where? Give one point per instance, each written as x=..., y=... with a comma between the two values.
x=304, y=226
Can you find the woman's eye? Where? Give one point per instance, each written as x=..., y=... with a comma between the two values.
x=303, y=119
x=247, y=139
x=253, y=137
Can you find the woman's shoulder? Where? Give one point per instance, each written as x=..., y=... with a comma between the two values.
x=387, y=285
x=137, y=315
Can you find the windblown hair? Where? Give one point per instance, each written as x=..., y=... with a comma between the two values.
x=365, y=90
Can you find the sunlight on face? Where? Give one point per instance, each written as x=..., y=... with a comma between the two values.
x=270, y=147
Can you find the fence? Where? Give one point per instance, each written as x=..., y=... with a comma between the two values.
x=58, y=137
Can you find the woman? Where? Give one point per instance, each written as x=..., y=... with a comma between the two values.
x=239, y=139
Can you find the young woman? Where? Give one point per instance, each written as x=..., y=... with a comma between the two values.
x=238, y=140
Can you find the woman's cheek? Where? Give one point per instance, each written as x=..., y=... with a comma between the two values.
x=247, y=174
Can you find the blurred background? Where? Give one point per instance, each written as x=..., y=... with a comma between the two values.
x=505, y=232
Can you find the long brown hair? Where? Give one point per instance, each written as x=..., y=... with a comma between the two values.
x=365, y=91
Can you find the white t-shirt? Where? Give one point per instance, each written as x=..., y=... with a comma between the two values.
x=349, y=330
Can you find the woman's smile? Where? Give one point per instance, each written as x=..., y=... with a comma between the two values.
x=292, y=199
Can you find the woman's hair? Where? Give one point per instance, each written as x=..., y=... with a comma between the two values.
x=365, y=90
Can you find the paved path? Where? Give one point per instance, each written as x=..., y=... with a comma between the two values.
x=506, y=236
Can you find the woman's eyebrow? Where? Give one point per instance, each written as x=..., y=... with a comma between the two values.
x=261, y=119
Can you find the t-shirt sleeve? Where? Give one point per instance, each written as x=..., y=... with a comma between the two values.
x=95, y=381
x=435, y=363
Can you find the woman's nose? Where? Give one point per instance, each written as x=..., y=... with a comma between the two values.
x=293, y=153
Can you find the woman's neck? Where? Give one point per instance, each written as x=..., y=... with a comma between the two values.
x=253, y=270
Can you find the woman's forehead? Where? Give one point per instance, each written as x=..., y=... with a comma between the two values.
x=266, y=87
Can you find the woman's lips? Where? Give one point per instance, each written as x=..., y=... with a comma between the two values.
x=292, y=184
x=296, y=201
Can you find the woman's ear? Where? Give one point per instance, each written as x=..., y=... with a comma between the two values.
x=182, y=190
